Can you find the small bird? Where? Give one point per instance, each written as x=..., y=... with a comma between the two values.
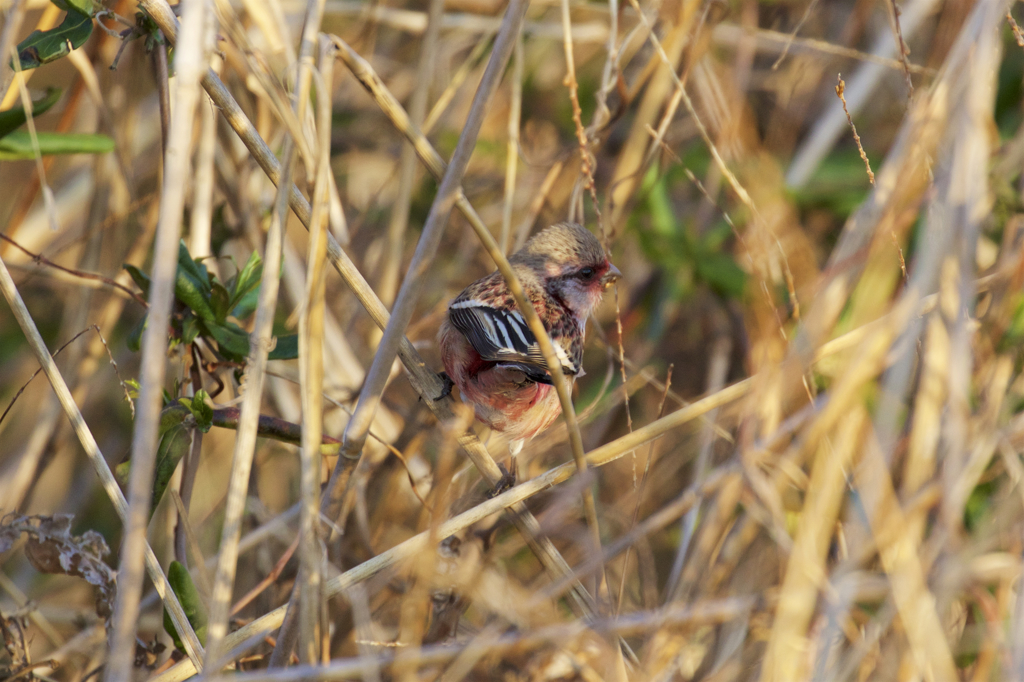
x=490, y=353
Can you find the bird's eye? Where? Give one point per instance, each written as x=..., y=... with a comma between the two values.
x=586, y=273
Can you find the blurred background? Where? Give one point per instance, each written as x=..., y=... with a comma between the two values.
x=830, y=209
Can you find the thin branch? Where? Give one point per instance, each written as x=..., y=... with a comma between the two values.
x=42, y=260
x=840, y=90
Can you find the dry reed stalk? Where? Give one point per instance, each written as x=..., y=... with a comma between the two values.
x=774, y=41
x=709, y=613
x=245, y=442
x=512, y=149
x=444, y=100
x=407, y=165
x=311, y=352
x=188, y=64
x=806, y=570
x=897, y=551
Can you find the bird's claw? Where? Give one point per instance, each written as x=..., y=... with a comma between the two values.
x=446, y=390
x=506, y=482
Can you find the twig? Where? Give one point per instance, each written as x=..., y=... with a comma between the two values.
x=124, y=386
x=708, y=613
x=30, y=123
x=262, y=585
x=1017, y=34
x=840, y=90
x=36, y=373
x=311, y=340
x=769, y=41
x=901, y=46
x=39, y=258
x=792, y=35
x=445, y=98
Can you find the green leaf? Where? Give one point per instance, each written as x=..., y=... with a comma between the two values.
x=174, y=443
x=43, y=47
x=83, y=6
x=247, y=279
x=18, y=145
x=721, y=273
x=663, y=217
x=232, y=340
x=194, y=268
x=192, y=286
x=220, y=301
x=140, y=278
x=134, y=340
x=202, y=412
x=287, y=348
x=175, y=440
x=246, y=305
x=12, y=119
x=190, y=329
x=191, y=604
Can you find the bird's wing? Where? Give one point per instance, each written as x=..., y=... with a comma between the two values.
x=503, y=336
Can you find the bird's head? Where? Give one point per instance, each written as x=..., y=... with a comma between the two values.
x=570, y=262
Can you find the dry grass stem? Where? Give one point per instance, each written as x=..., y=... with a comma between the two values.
x=840, y=90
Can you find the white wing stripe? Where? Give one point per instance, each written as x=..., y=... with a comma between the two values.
x=518, y=324
x=503, y=328
x=469, y=303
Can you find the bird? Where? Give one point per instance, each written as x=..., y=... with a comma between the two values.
x=488, y=350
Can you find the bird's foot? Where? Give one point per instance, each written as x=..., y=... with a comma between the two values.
x=507, y=480
x=446, y=390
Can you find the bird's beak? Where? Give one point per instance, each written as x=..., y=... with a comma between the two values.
x=611, y=276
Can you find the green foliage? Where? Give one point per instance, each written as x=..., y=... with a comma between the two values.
x=191, y=603
x=14, y=118
x=840, y=184
x=177, y=422
x=17, y=144
x=200, y=410
x=693, y=259
x=211, y=309
x=175, y=438
x=979, y=504
x=43, y=47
